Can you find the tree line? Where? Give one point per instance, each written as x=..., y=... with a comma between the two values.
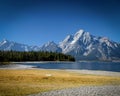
x=17, y=56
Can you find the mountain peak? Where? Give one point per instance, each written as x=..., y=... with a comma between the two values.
x=84, y=46
x=79, y=33
x=51, y=47
x=3, y=42
x=77, y=36
x=50, y=43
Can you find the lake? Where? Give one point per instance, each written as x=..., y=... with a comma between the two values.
x=105, y=66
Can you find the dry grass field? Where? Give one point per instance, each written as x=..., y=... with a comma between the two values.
x=30, y=81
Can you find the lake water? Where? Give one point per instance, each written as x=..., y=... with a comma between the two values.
x=105, y=66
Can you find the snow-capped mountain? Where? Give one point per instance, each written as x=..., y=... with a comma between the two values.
x=84, y=46
x=51, y=47
x=10, y=45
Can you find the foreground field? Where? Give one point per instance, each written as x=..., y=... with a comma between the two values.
x=30, y=81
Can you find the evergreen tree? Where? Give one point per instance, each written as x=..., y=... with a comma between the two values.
x=6, y=56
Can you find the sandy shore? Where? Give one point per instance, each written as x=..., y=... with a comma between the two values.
x=97, y=72
x=15, y=66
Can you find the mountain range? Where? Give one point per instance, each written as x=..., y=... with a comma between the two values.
x=82, y=45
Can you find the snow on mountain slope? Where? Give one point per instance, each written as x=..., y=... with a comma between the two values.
x=51, y=47
x=10, y=45
x=84, y=46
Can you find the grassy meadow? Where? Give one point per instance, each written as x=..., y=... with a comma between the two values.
x=30, y=81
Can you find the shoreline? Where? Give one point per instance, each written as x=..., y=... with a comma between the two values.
x=96, y=72
x=59, y=61
x=82, y=71
x=41, y=62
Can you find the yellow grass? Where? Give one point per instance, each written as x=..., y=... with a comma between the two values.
x=23, y=82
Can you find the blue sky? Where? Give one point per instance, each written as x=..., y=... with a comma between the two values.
x=35, y=22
